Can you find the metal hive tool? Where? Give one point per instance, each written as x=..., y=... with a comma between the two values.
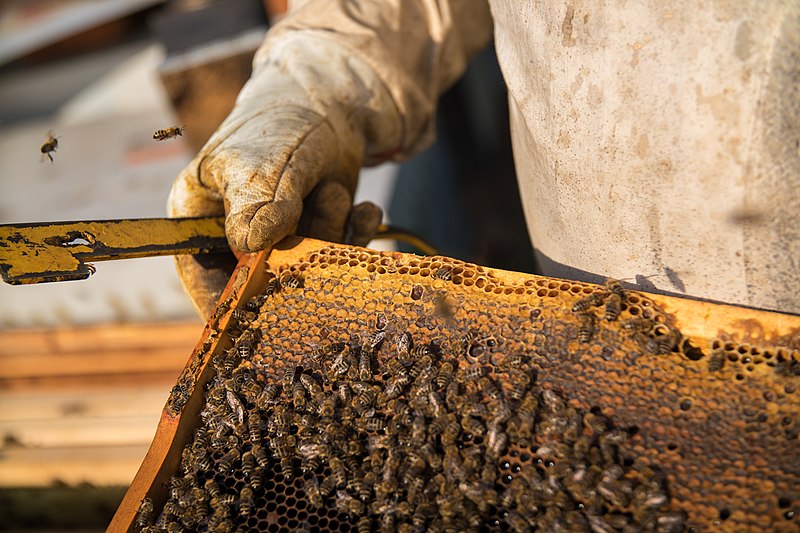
x=339, y=388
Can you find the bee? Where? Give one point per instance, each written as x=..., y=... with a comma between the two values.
x=327, y=407
x=292, y=280
x=298, y=395
x=211, y=487
x=365, y=399
x=287, y=468
x=236, y=405
x=403, y=348
x=593, y=300
x=311, y=488
x=268, y=396
x=472, y=426
x=716, y=362
x=486, y=386
x=338, y=472
x=667, y=341
x=474, y=372
x=424, y=362
x=254, y=426
x=364, y=525
x=364, y=365
x=202, y=462
x=518, y=524
x=419, y=351
x=444, y=375
x=347, y=504
x=646, y=342
x=49, y=147
x=339, y=367
x=246, y=501
x=496, y=442
x=287, y=381
x=283, y=446
x=144, y=516
x=519, y=385
x=444, y=274
x=395, y=367
x=272, y=287
x=371, y=423
x=614, y=286
x=227, y=460
x=586, y=323
x=374, y=339
x=310, y=384
x=613, y=306
x=260, y=455
x=516, y=360
x=244, y=348
x=169, y=133
x=638, y=324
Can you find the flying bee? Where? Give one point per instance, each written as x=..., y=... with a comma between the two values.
x=613, y=306
x=49, y=147
x=246, y=501
x=593, y=300
x=169, y=133
x=311, y=488
x=586, y=327
x=292, y=280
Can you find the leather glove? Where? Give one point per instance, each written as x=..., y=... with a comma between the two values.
x=335, y=86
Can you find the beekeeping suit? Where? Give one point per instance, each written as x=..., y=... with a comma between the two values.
x=655, y=142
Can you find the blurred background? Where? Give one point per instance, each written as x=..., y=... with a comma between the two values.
x=85, y=367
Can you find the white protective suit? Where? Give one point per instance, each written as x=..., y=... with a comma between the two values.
x=654, y=141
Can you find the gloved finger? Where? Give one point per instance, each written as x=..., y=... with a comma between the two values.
x=266, y=172
x=363, y=223
x=203, y=276
x=325, y=212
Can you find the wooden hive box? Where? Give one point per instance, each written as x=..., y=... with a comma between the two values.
x=672, y=414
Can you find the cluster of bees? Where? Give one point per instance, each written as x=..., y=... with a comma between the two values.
x=651, y=336
x=398, y=433
x=50, y=146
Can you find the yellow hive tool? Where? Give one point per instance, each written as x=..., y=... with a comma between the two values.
x=60, y=251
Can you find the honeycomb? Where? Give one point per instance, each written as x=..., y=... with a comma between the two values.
x=367, y=391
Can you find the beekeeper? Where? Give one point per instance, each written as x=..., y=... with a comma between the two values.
x=655, y=142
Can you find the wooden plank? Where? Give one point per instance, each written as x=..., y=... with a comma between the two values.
x=91, y=382
x=106, y=362
x=79, y=431
x=97, y=465
x=181, y=335
x=74, y=405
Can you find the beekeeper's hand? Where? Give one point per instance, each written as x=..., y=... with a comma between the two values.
x=319, y=105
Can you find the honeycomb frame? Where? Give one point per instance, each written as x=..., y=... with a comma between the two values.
x=724, y=420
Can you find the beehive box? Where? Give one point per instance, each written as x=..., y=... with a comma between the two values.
x=340, y=388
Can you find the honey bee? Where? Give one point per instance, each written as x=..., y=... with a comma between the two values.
x=298, y=395
x=444, y=375
x=267, y=396
x=486, y=386
x=395, y=367
x=292, y=280
x=716, y=362
x=311, y=488
x=374, y=339
x=144, y=516
x=347, y=504
x=444, y=274
x=614, y=286
x=667, y=341
x=169, y=133
x=272, y=287
x=586, y=327
x=419, y=351
x=227, y=460
x=338, y=472
x=519, y=385
x=364, y=365
x=339, y=367
x=236, y=405
x=424, y=362
x=246, y=501
x=593, y=300
x=518, y=524
x=287, y=468
x=474, y=372
x=638, y=324
x=260, y=455
x=496, y=441
x=371, y=423
x=49, y=147
x=472, y=426
x=403, y=348
x=646, y=342
x=613, y=306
